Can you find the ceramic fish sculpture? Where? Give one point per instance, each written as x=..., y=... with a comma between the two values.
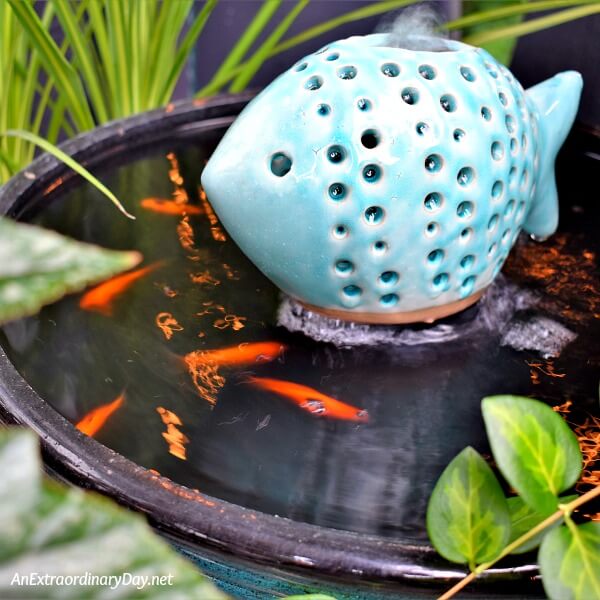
x=385, y=184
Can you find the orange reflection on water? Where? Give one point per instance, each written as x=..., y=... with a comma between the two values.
x=175, y=438
x=215, y=228
x=185, y=233
x=230, y=321
x=174, y=174
x=165, y=206
x=96, y=418
x=100, y=298
x=168, y=324
x=204, y=278
x=203, y=365
x=311, y=400
x=205, y=376
x=231, y=273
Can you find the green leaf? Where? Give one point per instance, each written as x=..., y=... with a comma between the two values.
x=570, y=562
x=70, y=162
x=523, y=518
x=58, y=67
x=68, y=532
x=309, y=597
x=534, y=448
x=533, y=25
x=467, y=515
x=39, y=266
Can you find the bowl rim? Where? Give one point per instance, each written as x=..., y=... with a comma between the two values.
x=187, y=516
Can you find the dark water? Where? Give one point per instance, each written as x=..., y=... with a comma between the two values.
x=259, y=449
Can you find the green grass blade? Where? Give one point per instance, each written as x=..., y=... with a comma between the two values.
x=172, y=20
x=80, y=47
x=510, y=11
x=254, y=29
x=183, y=52
x=115, y=16
x=224, y=76
x=55, y=63
x=371, y=10
x=259, y=57
x=103, y=61
x=70, y=162
x=558, y=18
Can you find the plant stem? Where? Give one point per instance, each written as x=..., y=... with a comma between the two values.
x=564, y=510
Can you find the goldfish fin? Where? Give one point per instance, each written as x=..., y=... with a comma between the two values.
x=557, y=100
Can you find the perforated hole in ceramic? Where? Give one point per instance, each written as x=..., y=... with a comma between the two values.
x=497, y=189
x=440, y=282
x=337, y=191
x=374, y=215
x=421, y=128
x=434, y=163
x=467, y=262
x=435, y=257
x=465, y=176
x=432, y=229
x=466, y=287
x=348, y=72
x=493, y=222
x=323, y=109
x=497, y=150
x=389, y=300
x=281, y=164
x=388, y=278
x=379, y=247
x=458, y=135
x=370, y=138
x=433, y=202
x=390, y=69
x=340, y=232
x=313, y=83
x=410, y=95
x=465, y=209
x=336, y=154
x=467, y=74
x=427, y=72
x=363, y=104
x=448, y=103
x=371, y=173
x=344, y=268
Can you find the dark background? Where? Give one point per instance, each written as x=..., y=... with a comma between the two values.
x=575, y=45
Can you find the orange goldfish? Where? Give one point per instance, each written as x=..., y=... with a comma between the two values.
x=169, y=207
x=311, y=400
x=101, y=297
x=95, y=419
x=244, y=354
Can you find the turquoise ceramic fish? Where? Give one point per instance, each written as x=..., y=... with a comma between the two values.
x=382, y=184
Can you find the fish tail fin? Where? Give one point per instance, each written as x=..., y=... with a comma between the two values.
x=557, y=100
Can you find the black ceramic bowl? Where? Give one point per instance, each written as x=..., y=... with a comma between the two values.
x=351, y=499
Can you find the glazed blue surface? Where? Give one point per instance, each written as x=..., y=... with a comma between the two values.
x=377, y=179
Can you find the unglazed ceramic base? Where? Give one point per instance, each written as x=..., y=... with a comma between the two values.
x=426, y=315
